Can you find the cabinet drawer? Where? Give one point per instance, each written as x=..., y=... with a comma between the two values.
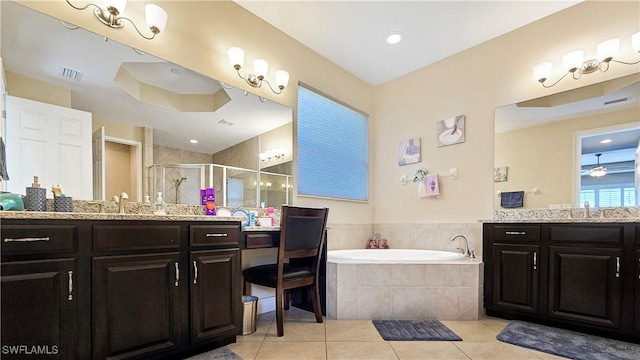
x=602, y=234
x=135, y=237
x=516, y=233
x=221, y=235
x=637, y=235
x=261, y=240
x=37, y=239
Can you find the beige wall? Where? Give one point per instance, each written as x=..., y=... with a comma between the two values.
x=543, y=157
x=36, y=90
x=118, y=170
x=472, y=83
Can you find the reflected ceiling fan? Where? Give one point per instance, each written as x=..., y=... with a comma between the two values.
x=598, y=170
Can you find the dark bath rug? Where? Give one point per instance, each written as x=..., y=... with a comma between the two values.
x=414, y=330
x=217, y=354
x=567, y=343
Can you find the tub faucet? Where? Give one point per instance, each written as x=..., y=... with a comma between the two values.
x=465, y=249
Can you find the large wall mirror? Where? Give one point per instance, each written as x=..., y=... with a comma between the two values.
x=136, y=100
x=571, y=147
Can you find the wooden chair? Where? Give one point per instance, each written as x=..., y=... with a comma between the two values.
x=302, y=235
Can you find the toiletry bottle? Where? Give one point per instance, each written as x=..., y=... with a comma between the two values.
x=160, y=206
x=210, y=205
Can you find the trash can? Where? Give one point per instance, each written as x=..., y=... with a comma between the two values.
x=249, y=310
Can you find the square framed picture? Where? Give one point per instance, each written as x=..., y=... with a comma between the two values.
x=409, y=152
x=450, y=131
x=500, y=174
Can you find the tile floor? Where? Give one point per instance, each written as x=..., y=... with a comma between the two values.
x=358, y=339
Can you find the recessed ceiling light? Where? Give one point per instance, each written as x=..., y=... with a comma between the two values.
x=606, y=141
x=193, y=141
x=394, y=38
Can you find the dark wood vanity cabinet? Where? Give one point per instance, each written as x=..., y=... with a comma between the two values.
x=39, y=291
x=38, y=309
x=215, y=289
x=515, y=277
x=120, y=289
x=135, y=305
x=581, y=276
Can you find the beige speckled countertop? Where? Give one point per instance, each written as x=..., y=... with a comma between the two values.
x=574, y=215
x=47, y=215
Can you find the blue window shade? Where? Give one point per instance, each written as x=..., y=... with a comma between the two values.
x=333, y=148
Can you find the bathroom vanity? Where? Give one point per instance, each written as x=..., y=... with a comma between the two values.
x=126, y=287
x=582, y=275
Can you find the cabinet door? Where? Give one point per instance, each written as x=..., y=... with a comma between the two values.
x=584, y=285
x=39, y=309
x=215, y=294
x=515, y=277
x=135, y=305
x=637, y=314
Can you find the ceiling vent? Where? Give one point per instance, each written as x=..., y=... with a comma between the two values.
x=225, y=122
x=71, y=74
x=611, y=102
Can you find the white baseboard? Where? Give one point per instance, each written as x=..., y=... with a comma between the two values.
x=266, y=305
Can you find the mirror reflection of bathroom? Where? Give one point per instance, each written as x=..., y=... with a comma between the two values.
x=608, y=166
x=540, y=142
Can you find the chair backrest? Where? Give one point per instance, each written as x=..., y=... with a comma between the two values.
x=302, y=232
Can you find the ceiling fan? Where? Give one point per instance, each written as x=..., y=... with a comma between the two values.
x=598, y=170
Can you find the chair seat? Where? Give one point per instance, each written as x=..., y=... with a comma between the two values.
x=267, y=274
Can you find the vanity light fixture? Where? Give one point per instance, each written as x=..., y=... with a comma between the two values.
x=598, y=170
x=272, y=155
x=109, y=14
x=574, y=64
x=260, y=68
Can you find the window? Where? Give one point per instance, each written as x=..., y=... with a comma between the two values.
x=608, y=196
x=333, y=148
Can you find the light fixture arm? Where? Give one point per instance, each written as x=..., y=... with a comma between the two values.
x=557, y=81
x=153, y=29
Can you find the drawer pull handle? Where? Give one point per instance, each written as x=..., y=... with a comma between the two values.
x=177, y=274
x=617, y=266
x=195, y=272
x=638, y=268
x=46, y=238
x=515, y=233
x=217, y=235
x=535, y=260
x=70, y=297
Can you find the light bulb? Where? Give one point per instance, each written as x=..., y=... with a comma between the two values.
x=542, y=71
x=236, y=57
x=156, y=17
x=607, y=50
x=573, y=60
x=260, y=67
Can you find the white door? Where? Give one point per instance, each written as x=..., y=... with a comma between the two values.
x=51, y=142
x=99, y=186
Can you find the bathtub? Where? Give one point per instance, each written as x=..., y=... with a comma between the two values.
x=369, y=284
x=391, y=256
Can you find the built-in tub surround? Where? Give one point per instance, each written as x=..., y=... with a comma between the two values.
x=450, y=290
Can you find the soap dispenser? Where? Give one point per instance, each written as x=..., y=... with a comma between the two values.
x=160, y=206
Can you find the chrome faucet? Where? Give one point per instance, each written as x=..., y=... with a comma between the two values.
x=465, y=249
x=120, y=200
x=586, y=210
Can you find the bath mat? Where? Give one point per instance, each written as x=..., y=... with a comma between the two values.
x=567, y=343
x=217, y=354
x=414, y=330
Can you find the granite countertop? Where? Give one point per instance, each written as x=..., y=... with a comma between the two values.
x=568, y=216
x=48, y=215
